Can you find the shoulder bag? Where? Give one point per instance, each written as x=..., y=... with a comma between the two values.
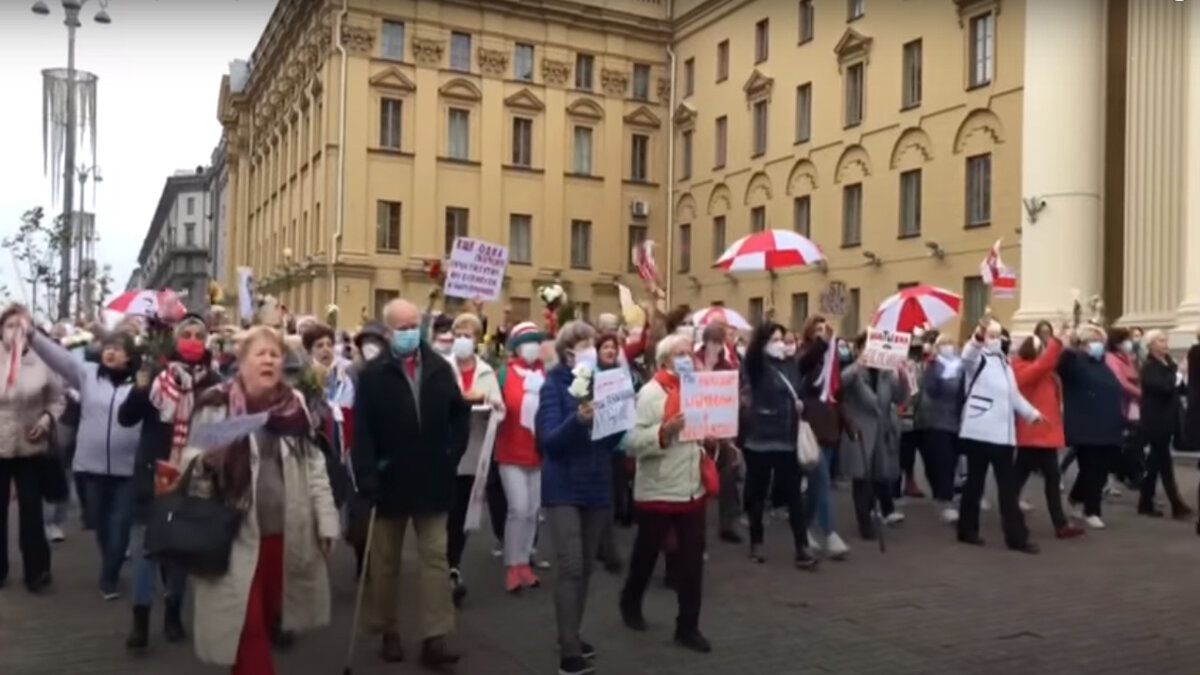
x=808, y=450
x=193, y=533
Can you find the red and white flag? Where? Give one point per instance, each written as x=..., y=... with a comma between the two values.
x=643, y=258
x=1002, y=279
x=831, y=379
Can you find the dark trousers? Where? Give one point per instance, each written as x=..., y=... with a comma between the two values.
x=1131, y=465
x=981, y=456
x=497, y=502
x=622, y=491
x=1095, y=462
x=939, y=453
x=110, y=504
x=910, y=442
x=865, y=495
x=22, y=474
x=785, y=468
x=1160, y=464
x=456, y=537
x=1045, y=462
x=687, y=564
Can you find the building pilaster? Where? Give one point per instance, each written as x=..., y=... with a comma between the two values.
x=1187, y=315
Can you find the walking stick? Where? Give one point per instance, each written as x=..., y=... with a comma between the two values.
x=362, y=584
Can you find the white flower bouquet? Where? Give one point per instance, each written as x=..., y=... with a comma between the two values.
x=581, y=386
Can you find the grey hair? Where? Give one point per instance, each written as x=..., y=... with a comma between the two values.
x=662, y=353
x=608, y=319
x=1153, y=335
x=570, y=335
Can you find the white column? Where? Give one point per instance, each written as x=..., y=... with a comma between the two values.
x=1187, y=316
x=1062, y=157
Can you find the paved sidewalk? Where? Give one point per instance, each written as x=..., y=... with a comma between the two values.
x=1120, y=601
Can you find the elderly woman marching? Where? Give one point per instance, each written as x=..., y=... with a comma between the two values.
x=277, y=569
x=31, y=400
x=669, y=495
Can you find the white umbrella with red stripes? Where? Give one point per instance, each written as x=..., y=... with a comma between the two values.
x=917, y=306
x=720, y=313
x=158, y=304
x=769, y=250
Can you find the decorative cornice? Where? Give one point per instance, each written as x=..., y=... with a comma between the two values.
x=972, y=8
x=428, y=51
x=642, y=117
x=461, y=89
x=358, y=40
x=493, y=62
x=586, y=108
x=664, y=90
x=758, y=87
x=685, y=115
x=394, y=79
x=852, y=47
x=525, y=100
x=614, y=82
x=555, y=72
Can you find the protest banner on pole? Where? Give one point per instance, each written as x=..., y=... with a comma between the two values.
x=886, y=350
x=612, y=403
x=476, y=270
x=709, y=402
x=479, y=487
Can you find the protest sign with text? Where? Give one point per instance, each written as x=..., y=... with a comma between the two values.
x=709, y=401
x=476, y=269
x=886, y=350
x=612, y=403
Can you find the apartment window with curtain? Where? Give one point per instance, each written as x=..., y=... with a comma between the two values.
x=802, y=215
x=806, y=21
x=720, y=142
x=850, y=327
x=393, y=41
x=685, y=248
x=389, y=122
x=641, y=82
x=189, y=234
x=685, y=155
x=854, y=94
x=639, y=157
x=637, y=235
x=523, y=62
x=799, y=311
x=979, y=190
x=760, y=128
x=584, y=67
x=855, y=9
x=457, y=225
x=689, y=77
x=911, y=82
x=762, y=40
x=758, y=219
x=458, y=136
x=460, y=51
x=983, y=49
x=852, y=215
x=910, y=203
x=191, y=206
x=583, y=151
x=387, y=227
x=804, y=112
x=718, y=236
x=520, y=239
x=723, y=60
x=581, y=244
x=522, y=140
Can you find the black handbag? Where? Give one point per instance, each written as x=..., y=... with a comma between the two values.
x=194, y=534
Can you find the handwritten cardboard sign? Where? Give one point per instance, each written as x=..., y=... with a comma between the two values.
x=479, y=487
x=612, y=403
x=476, y=270
x=886, y=350
x=216, y=435
x=709, y=400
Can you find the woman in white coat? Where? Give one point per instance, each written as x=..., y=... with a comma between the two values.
x=277, y=577
x=989, y=437
x=480, y=387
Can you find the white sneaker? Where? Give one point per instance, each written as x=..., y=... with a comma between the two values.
x=984, y=504
x=949, y=515
x=55, y=533
x=813, y=543
x=1077, y=511
x=1025, y=506
x=1111, y=488
x=498, y=551
x=835, y=547
x=894, y=518
x=1094, y=522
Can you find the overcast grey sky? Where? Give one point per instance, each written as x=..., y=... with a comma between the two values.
x=160, y=64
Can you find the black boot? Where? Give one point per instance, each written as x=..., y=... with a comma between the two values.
x=173, y=621
x=140, y=635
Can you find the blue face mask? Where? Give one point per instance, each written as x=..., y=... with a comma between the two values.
x=1095, y=350
x=684, y=365
x=405, y=342
x=844, y=353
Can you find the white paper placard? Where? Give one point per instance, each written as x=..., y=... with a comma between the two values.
x=216, y=435
x=612, y=403
x=479, y=487
x=476, y=269
x=886, y=350
x=710, y=404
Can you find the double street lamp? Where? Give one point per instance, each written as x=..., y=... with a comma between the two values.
x=71, y=8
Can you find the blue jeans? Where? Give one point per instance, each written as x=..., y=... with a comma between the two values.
x=820, y=492
x=109, y=500
x=145, y=570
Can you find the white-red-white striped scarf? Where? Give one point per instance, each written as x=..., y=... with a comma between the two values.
x=173, y=394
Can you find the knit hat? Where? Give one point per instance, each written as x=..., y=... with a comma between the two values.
x=372, y=329
x=192, y=320
x=526, y=331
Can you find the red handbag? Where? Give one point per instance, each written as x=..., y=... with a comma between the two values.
x=710, y=478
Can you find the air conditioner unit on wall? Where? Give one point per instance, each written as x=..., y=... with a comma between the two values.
x=640, y=208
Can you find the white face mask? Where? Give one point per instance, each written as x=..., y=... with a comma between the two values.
x=528, y=352
x=775, y=350
x=463, y=347
x=442, y=344
x=789, y=350
x=586, y=357
x=370, y=351
x=992, y=345
x=946, y=351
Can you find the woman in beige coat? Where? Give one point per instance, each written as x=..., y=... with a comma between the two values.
x=31, y=399
x=277, y=578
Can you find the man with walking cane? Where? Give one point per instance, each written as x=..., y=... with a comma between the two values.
x=411, y=429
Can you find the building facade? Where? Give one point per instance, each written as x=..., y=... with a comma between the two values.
x=174, y=254
x=218, y=211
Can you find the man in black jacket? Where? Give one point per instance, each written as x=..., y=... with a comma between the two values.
x=411, y=428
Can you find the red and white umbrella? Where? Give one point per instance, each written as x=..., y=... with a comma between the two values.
x=163, y=305
x=719, y=313
x=915, y=307
x=769, y=250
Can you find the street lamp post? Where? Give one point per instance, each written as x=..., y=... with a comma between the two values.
x=71, y=8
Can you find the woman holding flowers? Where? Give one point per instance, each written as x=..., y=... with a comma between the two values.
x=576, y=476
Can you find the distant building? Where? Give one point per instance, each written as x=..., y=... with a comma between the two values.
x=136, y=281
x=175, y=253
x=217, y=210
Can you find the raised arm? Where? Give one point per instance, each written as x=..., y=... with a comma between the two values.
x=59, y=360
x=1042, y=366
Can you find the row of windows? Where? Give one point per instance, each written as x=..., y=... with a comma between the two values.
x=392, y=47
x=520, y=234
x=978, y=211
x=458, y=140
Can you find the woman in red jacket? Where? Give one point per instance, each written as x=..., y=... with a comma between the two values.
x=1038, y=444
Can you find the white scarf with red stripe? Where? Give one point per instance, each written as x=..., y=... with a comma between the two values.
x=173, y=394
